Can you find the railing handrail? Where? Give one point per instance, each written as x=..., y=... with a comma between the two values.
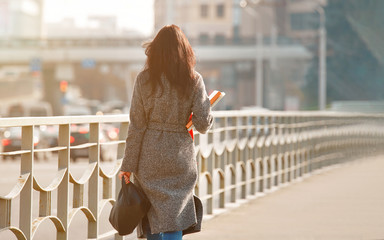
x=245, y=113
x=30, y=121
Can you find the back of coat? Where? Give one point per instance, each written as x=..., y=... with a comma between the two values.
x=160, y=151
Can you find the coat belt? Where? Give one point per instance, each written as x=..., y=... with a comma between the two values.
x=168, y=127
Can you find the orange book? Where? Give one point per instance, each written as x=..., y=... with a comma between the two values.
x=214, y=98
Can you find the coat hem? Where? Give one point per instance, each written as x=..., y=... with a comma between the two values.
x=185, y=226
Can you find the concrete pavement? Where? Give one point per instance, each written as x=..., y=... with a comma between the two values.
x=345, y=202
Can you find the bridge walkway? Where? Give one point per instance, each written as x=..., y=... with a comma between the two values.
x=341, y=202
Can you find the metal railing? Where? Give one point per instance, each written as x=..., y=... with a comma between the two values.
x=244, y=155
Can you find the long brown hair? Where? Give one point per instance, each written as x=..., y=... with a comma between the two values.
x=170, y=53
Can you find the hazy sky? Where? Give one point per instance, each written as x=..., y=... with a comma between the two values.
x=132, y=14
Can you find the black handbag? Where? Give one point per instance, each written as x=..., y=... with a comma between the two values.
x=130, y=207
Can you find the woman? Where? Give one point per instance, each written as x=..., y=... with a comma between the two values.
x=159, y=150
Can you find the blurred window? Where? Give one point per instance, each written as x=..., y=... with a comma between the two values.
x=304, y=21
x=38, y=112
x=219, y=39
x=236, y=34
x=16, y=111
x=220, y=10
x=204, y=10
x=203, y=38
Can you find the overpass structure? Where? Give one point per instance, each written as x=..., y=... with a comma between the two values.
x=117, y=52
x=64, y=59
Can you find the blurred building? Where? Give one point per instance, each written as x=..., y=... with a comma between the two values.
x=203, y=20
x=299, y=19
x=278, y=22
x=21, y=19
x=293, y=20
x=97, y=26
x=198, y=19
x=226, y=19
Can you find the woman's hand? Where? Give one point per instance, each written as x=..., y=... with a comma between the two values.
x=126, y=176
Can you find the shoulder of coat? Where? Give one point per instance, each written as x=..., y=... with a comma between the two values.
x=199, y=80
x=198, y=76
x=142, y=77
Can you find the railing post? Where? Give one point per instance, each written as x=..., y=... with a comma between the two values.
x=78, y=195
x=295, y=148
x=5, y=213
x=274, y=153
x=291, y=148
x=222, y=160
x=93, y=186
x=287, y=143
x=26, y=195
x=234, y=158
x=304, y=142
x=279, y=140
x=223, y=138
x=260, y=155
x=45, y=204
x=267, y=153
x=243, y=156
x=298, y=146
x=63, y=188
x=210, y=164
x=252, y=155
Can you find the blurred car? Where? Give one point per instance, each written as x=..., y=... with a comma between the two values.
x=77, y=110
x=80, y=135
x=114, y=107
x=48, y=135
x=11, y=141
x=30, y=109
x=111, y=131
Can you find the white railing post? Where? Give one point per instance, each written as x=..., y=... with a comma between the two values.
x=253, y=156
x=93, y=187
x=234, y=157
x=5, y=214
x=26, y=195
x=63, y=188
x=266, y=154
x=287, y=147
x=260, y=159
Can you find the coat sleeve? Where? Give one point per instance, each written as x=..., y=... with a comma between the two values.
x=202, y=117
x=136, y=130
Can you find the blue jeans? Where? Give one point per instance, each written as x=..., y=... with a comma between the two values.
x=165, y=236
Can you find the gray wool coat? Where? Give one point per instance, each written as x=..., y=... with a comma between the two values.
x=160, y=152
